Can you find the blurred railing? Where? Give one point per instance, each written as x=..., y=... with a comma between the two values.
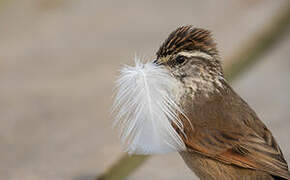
x=245, y=58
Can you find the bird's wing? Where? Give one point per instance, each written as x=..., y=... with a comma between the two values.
x=246, y=149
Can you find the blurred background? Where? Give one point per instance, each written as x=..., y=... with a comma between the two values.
x=59, y=60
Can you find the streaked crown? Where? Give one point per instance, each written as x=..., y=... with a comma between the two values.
x=188, y=39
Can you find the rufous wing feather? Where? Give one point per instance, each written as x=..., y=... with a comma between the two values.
x=245, y=149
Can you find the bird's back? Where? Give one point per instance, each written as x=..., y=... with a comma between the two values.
x=229, y=140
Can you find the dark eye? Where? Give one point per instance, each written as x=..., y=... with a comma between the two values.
x=180, y=59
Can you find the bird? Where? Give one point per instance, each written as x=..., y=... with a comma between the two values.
x=224, y=137
x=218, y=135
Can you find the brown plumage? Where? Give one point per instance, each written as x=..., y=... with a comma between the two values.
x=231, y=134
x=224, y=137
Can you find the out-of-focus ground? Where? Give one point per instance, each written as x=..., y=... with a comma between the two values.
x=59, y=60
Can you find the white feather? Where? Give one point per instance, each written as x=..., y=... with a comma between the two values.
x=145, y=108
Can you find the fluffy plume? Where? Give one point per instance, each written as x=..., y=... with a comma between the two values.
x=145, y=110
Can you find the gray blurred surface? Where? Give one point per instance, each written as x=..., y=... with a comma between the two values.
x=58, y=62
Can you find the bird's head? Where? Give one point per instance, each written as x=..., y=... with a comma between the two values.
x=190, y=53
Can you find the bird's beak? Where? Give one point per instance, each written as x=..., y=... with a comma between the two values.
x=161, y=60
x=155, y=61
x=158, y=62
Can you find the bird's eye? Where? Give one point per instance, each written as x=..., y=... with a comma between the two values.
x=180, y=59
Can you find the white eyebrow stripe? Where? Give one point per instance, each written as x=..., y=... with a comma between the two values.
x=196, y=54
